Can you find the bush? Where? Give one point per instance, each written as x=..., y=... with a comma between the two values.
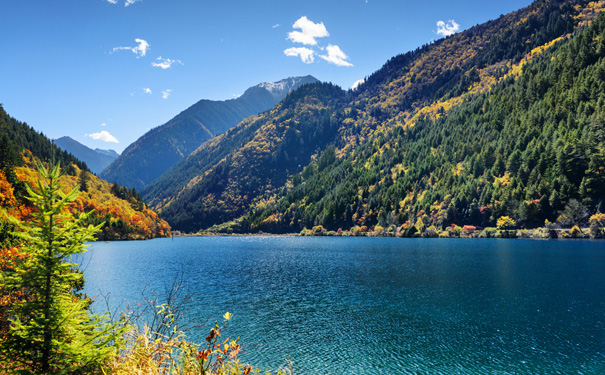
x=597, y=225
x=576, y=232
x=455, y=230
x=488, y=233
x=430, y=232
x=149, y=352
x=505, y=222
x=318, y=230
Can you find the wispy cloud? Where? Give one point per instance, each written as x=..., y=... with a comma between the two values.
x=147, y=90
x=308, y=35
x=165, y=63
x=447, y=28
x=309, y=31
x=166, y=94
x=140, y=50
x=307, y=55
x=275, y=26
x=103, y=124
x=336, y=56
x=104, y=136
x=126, y=4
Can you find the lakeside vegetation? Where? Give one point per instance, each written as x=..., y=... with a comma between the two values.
x=505, y=230
x=46, y=323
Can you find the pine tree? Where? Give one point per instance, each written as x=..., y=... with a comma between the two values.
x=51, y=330
x=83, y=179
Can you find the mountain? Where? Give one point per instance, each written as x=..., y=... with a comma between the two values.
x=96, y=159
x=504, y=118
x=151, y=155
x=121, y=210
x=17, y=137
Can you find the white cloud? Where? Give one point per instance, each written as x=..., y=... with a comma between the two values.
x=147, y=90
x=103, y=136
x=357, y=84
x=336, y=56
x=103, y=124
x=126, y=4
x=447, y=29
x=306, y=55
x=165, y=63
x=140, y=50
x=309, y=31
x=308, y=35
x=275, y=26
x=166, y=94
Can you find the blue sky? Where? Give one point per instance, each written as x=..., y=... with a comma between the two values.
x=107, y=71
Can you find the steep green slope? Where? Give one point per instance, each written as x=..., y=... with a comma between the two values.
x=221, y=183
x=16, y=136
x=526, y=149
x=160, y=148
x=411, y=88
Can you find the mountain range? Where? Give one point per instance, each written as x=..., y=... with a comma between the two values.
x=159, y=149
x=97, y=160
x=501, y=119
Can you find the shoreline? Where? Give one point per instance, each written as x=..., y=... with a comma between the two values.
x=536, y=233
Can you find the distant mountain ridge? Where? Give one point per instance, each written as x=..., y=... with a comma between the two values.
x=96, y=159
x=159, y=149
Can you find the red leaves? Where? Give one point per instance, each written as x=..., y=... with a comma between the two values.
x=213, y=334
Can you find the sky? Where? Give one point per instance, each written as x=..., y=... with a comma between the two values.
x=105, y=72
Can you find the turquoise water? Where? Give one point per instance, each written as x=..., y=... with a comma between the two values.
x=380, y=305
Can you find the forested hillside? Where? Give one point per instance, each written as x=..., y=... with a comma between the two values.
x=16, y=136
x=526, y=149
x=498, y=119
x=122, y=210
x=247, y=161
x=159, y=149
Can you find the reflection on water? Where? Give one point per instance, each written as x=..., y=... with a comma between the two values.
x=382, y=306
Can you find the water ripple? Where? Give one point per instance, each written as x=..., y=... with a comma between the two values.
x=383, y=306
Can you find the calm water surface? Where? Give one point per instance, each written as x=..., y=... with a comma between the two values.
x=381, y=306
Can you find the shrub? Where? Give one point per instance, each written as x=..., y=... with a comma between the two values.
x=318, y=230
x=488, y=233
x=455, y=230
x=597, y=225
x=148, y=352
x=575, y=232
x=430, y=232
x=505, y=222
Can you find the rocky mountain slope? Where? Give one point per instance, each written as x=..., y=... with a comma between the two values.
x=159, y=149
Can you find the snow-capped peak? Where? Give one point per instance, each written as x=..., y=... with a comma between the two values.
x=283, y=87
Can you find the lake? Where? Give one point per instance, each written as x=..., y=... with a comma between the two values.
x=380, y=305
